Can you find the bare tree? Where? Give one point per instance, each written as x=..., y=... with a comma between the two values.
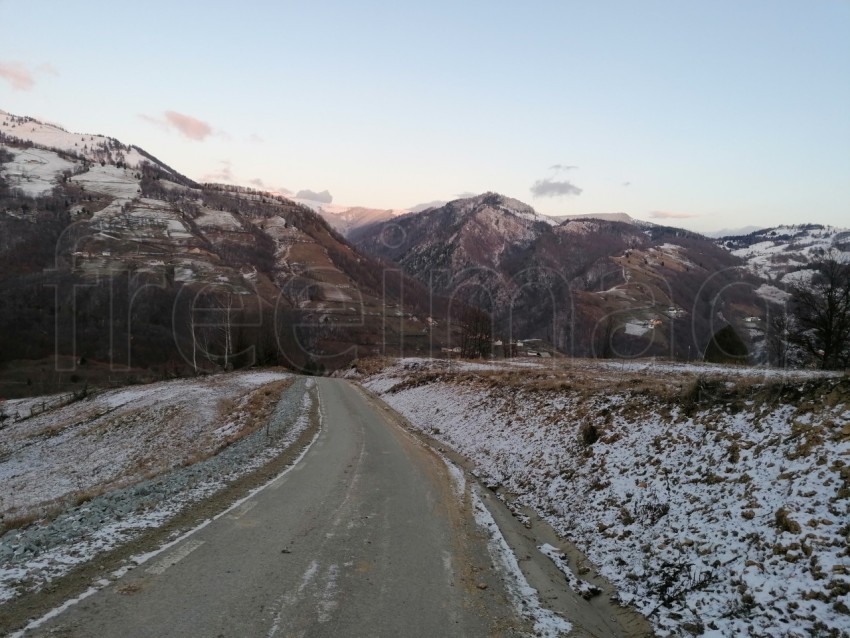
x=476, y=334
x=822, y=314
x=226, y=306
x=193, y=329
x=777, y=337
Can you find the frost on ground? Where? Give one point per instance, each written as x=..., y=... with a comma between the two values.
x=523, y=596
x=97, y=472
x=716, y=503
x=581, y=587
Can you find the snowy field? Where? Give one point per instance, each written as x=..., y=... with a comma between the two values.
x=119, y=436
x=119, y=183
x=716, y=503
x=786, y=251
x=35, y=171
x=53, y=136
x=80, y=479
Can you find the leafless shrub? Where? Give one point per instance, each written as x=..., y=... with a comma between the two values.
x=589, y=434
x=785, y=523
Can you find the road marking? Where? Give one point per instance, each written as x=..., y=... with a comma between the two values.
x=174, y=557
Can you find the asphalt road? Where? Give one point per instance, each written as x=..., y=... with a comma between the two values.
x=363, y=537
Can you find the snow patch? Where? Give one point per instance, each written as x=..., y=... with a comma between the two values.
x=523, y=596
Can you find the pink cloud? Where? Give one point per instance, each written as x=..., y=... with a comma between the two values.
x=663, y=214
x=17, y=75
x=191, y=127
x=223, y=174
x=21, y=76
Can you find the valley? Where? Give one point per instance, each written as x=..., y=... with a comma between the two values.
x=111, y=256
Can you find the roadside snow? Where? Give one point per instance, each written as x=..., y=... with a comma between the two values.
x=710, y=369
x=581, y=587
x=116, y=437
x=719, y=507
x=149, y=447
x=141, y=559
x=524, y=597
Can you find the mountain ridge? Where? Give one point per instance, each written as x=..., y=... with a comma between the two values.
x=588, y=286
x=89, y=212
x=146, y=256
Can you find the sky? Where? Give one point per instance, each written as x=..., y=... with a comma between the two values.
x=705, y=115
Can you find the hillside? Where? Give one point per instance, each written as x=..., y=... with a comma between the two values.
x=109, y=255
x=588, y=286
x=83, y=478
x=781, y=255
x=715, y=499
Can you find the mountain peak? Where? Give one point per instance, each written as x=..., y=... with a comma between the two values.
x=498, y=203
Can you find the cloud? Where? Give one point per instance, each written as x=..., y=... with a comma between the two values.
x=627, y=184
x=549, y=187
x=323, y=198
x=255, y=139
x=153, y=120
x=191, y=127
x=17, y=75
x=560, y=168
x=223, y=174
x=257, y=182
x=664, y=214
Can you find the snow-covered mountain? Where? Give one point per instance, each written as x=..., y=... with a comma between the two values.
x=45, y=150
x=348, y=219
x=645, y=289
x=91, y=223
x=90, y=208
x=476, y=231
x=781, y=254
x=609, y=217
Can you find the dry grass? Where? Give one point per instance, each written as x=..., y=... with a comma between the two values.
x=10, y=521
x=371, y=365
x=257, y=408
x=688, y=390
